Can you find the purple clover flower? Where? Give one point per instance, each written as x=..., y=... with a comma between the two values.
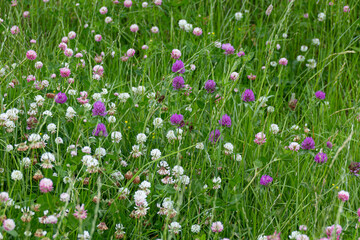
x=321, y=157
x=241, y=53
x=99, y=109
x=265, y=180
x=308, y=143
x=178, y=67
x=214, y=136
x=178, y=82
x=329, y=144
x=100, y=130
x=210, y=86
x=60, y=98
x=176, y=119
x=228, y=48
x=248, y=96
x=225, y=121
x=320, y=95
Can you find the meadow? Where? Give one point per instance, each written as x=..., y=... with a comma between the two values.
x=179, y=119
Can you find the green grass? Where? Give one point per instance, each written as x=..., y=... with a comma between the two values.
x=302, y=193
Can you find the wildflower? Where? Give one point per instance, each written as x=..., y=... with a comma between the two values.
x=320, y=95
x=100, y=130
x=229, y=148
x=329, y=144
x=158, y=122
x=210, y=86
x=64, y=197
x=321, y=157
x=234, y=76
x=217, y=227
x=225, y=121
x=265, y=180
x=80, y=212
x=60, y=98
x=65, y=72
x=155, y=154
x=294, y=146
x=46, y=185
x=141, y=138
x=238, y=16
x=116, y=136
x=346, y=9
x=260, y=138
x=31, y=55
x=182, y=23
x=154, y=29
x=308, y=143
x=283, y=61
x=127, y=3
x=269, y=10
x=248, y=96
x=175, y=228
x=343, y=195
x=103, y=10
x=8, y=225
x=321, y=17
x=178, y=82
x=214, y=136
x=241, y=53
x=197, y=31
x=175, y=54
x=178, y=67
x=228, y=48
x=14, y=30
x=176, y=119
x=134, y=28
x=195, y=228
x=98, y=37
x=99, y=109
x=157, y=2
x=16, y=175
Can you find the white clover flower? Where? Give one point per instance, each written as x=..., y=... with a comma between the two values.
x=123, y=97
x=16, y=175
x=182, y=23
x=195, y=228
x=141, y=138
x=229, y=148
x=304, y=48
x=238, y=157
x=100, y=152
x=45, y=137
x=238, y=16
x=300, y=58
x=51, y=128
x=270, y=109
x=155, y=154
x=34, y=137
x=116, y=136
x=175, y=228
x=274, y=128
x=311, y=63
x=158, y=122
x=178, y=170
x=316, y=41
x=59, y=140
x=199, y=146
x=188, y=27
x=26, y=162
x=321, y=17
x=111, y=119
x=9, y=148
